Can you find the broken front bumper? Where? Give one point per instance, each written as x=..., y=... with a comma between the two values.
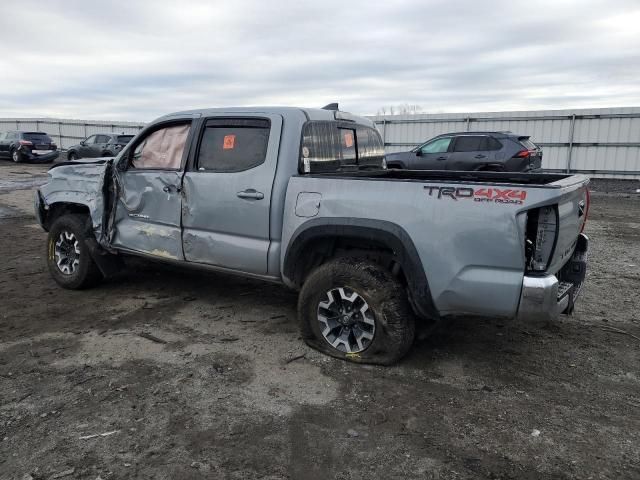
x=546, y=297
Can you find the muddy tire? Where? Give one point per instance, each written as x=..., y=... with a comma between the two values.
x=68, y=257
x=355, y=310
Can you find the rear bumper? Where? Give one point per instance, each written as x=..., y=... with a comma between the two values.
x=546, y=297
x=48, y=158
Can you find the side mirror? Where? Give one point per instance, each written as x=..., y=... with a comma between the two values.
x=122, y=164
x=83, y=143
x=418, y=153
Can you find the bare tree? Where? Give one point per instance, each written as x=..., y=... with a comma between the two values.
x=403, y=109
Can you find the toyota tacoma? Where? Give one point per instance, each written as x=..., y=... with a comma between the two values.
x=302, y=197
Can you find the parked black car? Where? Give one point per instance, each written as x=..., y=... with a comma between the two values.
x=492, y=151
x=99, y=145
x=22, y=146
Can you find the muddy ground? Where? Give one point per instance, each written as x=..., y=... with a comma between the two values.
x=234, y=393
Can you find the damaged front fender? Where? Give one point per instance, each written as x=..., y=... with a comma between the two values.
x=80, y=185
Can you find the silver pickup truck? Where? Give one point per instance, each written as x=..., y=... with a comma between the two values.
x=303, y=197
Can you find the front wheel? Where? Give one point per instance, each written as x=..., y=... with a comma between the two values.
x=356, y=310
x=72, y=156
x=68, y=257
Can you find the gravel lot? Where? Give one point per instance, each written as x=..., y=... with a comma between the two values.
x=162, y=373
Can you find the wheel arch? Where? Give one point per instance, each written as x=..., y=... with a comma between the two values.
x=397, y=164
x=319, y=240
x=490, y=167
x=57, y=209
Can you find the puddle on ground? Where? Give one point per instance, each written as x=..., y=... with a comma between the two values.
x=10, y=212
x=21, y=184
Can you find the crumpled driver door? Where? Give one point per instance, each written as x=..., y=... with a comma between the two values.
x=147, y=217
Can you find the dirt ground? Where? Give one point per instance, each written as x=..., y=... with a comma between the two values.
x=231, y=391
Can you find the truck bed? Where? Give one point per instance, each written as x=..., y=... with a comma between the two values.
x=444, y=176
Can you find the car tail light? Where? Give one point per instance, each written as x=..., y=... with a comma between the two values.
x=523, y=154
x=26, y=143
x=586, y=208
x=542, y=229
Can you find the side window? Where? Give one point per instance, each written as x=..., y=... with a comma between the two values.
x=91, y=140
x=2, y=136
x=491, y=144
x=233, y=145
x=440, y=145
x=12, y=136
x=468, y=143
x=162, y=149
x=102, y=138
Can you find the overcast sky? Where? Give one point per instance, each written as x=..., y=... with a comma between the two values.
x=137, y=59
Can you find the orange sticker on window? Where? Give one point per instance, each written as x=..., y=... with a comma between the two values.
x=348, y=139
x=229, y=142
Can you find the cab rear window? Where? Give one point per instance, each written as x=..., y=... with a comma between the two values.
x=329, y=146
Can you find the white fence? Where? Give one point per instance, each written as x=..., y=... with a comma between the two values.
x=68, y=132
x=601, y=142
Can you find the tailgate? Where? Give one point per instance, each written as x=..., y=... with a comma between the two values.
x=571, y=215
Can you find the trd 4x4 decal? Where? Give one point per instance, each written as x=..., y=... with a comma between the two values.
x=491, y=195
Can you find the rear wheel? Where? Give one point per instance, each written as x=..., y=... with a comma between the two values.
x=355, y=310
x=16, y=156
x=68, y=257
x=71, y=156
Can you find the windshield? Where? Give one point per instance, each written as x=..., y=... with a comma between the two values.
x=36, y=137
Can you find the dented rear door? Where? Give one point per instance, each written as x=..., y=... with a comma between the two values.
x=227, y=192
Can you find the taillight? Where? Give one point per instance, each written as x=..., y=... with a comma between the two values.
x=586, y=208
x=26, y=143
x=542, y=228
x=523, y=154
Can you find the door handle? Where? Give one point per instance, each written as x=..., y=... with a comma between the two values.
x=441, y=158
x=252, y=194
x=170, y=188
x=480, y=156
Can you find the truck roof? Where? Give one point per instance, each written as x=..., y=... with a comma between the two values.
x=309, y=113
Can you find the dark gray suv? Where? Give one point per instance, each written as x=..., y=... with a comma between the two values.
x=491, y=151
x=99, y=145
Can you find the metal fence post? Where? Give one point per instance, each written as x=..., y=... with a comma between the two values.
x=571, y=130
x=384, y=132
x=468, y=123
x=60, y=135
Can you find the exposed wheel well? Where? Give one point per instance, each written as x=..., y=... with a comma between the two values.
x=56, y=210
